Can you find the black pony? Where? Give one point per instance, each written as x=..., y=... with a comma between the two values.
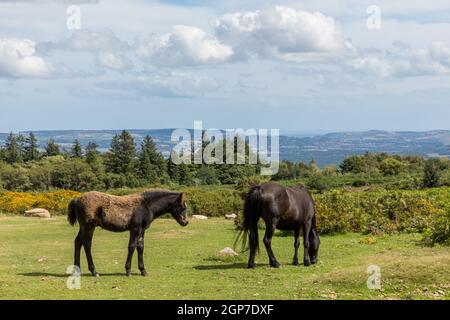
x=284, y=209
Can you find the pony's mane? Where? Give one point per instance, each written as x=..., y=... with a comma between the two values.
x=155, y=194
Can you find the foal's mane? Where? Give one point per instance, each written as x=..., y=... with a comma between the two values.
x=153, y=195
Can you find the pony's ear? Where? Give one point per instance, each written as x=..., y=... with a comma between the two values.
x=181, y=197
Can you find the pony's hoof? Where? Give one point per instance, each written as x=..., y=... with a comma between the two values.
x=251, y=266
x=274, y=264
x=314, y=261
x=306, y=263
x=144, y=273
x=128, y=273
x=295, y=263
x=95, y=274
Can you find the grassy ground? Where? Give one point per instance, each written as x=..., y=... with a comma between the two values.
x=182, y=264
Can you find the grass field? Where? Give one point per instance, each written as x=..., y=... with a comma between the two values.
x=183, y=264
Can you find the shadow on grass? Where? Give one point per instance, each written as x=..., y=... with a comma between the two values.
x=237, y=265
x=65, y=275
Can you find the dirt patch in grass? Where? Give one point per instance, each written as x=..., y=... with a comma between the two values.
x=171, y=234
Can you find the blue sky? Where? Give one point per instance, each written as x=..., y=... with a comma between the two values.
x=309, y=66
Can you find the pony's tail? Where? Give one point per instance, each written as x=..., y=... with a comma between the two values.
x=72, y=212
x=252, y=212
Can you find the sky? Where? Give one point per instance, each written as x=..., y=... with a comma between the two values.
x=312, y=66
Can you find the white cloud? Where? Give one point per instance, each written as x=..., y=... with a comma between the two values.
x=18, y=59
x=110, y=51
x=405, y=61
x=184, y=45
x=281, y=32
x=162, y=84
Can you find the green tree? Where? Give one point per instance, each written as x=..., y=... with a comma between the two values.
x=76, y=151
x=52, y=149
x=431, y=173
x=93, y=158
x=391, y=167
x=207, y=175
x=172, y=170
x=31, y=151
x=13, y=152
x=151, y=162
x=184, y=173
x=353, y=164
x=74, y=174
x=121, y=158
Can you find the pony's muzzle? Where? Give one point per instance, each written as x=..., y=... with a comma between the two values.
x=184, y=223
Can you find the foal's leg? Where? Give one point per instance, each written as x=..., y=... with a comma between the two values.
x=88, y=233
x=134, y=237
x=78, y=245
x=140, y=250
x=270, y=229
x=296, y=245
x=306, y=231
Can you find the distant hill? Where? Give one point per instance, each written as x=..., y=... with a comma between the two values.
x=330, y=148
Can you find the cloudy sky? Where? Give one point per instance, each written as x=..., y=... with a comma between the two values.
x=295, y=65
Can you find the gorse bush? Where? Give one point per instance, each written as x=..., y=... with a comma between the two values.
x=384, y=211
x=18, y=202
x=368, y=211
x=375, y=211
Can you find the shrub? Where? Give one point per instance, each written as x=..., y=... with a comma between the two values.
x=17, y=202
x=212, y=202
x=439, y=230
x=391, y=167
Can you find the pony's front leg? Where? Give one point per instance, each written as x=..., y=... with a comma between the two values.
x=296, y=245
x=306, y=231
x=134, y=237
x=140, y=250
x=270, y=229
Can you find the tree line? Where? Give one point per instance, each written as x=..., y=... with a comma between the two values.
x=397, y=171
x=24, y=167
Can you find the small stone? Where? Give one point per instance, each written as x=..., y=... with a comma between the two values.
x=38, y=213
x=227, y=252
x=199, y=217
x=231, y=216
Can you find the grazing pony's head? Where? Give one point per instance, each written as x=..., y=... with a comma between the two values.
x=178, y=210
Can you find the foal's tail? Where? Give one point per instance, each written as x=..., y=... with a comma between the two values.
x=252, y=212
x=72, y=212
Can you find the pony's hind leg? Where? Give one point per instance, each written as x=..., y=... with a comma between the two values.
x=270, y=229
x=140, y=250
x=78, y=244
x=306, y=243
x=132, y=244
x=296, y=246
x=88, y=233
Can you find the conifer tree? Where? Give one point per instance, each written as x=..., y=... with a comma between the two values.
x=31, y=151
x=52, y=148
x=77, y=150
x=13, y=152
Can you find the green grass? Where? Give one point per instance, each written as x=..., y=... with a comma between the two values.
x=182, y=264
